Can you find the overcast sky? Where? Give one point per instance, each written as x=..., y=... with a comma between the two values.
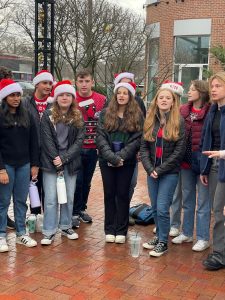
x=136, y=5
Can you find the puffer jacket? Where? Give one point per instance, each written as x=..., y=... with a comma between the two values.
x=50, y=147
x=31, y=107
x=195, y=126
x=173, y=152
x=104, y=145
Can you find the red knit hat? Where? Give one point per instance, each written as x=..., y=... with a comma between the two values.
x=43, y=75
x=9, y=86
x=120, y=76
x=131, y=86
x=63, y=86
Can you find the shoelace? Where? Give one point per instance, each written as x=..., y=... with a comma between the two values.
x=159, y=247
x=69, y=231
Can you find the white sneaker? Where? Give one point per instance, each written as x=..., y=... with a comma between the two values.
x=110, y=238
x=3, y=245
x=181, y=238
x=26, y=240
x=120, y=239
x=48, y=239
x=174, y=232
x=154, y=230
x=200, y=245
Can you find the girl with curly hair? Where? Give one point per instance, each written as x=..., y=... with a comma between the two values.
x=62, y=134
x=118, y=140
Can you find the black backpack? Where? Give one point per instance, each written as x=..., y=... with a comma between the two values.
x=142, y=214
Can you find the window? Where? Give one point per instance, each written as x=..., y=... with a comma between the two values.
x=152, y=68
x=191, y=50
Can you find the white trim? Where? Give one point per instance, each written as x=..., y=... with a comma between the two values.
x=123, y=75
x=45, y=76
x=9, y=89
x=64, y=88
x=125, y=85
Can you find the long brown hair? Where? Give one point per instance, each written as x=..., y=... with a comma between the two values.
x=202, y=87
x=172, y=126
x=131, y=117
x=73, y=115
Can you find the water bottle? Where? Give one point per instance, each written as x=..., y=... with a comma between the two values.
x=61, y=189
x=34, y=195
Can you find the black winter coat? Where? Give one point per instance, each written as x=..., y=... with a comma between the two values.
x=50, y=147
x=30, y=105
x=104, y=145
x=173, y=152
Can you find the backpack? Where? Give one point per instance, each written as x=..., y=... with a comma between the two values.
x=142, y=213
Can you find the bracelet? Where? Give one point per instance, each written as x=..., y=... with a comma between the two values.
x=2, y=171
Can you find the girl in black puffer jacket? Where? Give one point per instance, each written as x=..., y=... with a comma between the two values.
x=62, y=134
x=118, y=140
x=162, y=150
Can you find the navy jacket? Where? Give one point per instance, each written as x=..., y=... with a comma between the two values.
x=205, y=162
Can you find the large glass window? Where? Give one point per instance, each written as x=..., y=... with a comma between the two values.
x=191, y=50
x=190, y=59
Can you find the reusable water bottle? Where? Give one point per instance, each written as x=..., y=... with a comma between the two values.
x=34, y=195
x=61, y=189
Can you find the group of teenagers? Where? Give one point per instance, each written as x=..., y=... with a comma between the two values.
x=180, y=146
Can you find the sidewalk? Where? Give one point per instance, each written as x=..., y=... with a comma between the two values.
x=90, y=269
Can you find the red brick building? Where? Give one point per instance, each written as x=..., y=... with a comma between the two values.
x=181, y=33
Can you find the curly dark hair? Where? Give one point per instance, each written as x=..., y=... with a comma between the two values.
x=132, y=116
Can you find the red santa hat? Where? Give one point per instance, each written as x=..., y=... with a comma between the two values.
x=9, y=86
x=131, y=86
x=175, y=87
x=119, y=77
x=63, y=86
x=43, y=75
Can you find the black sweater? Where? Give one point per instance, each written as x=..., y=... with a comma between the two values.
x=18, y=145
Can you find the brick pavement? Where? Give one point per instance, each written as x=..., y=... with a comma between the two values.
x=90, y=269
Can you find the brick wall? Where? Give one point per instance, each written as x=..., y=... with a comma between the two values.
x=189, y=9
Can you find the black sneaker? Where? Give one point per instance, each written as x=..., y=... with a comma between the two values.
x=75, y=222
x=10, y=223
x=151, y=244
x=84, y=217
x=70, y=234
x=159, y=249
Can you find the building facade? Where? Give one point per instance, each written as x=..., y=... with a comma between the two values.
x=181, y=33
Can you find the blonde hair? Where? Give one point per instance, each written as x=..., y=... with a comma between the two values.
x=219, y=76
x=171, y=128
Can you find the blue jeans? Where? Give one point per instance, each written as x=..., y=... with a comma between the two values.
x=56, y=215
x=161, y=192
x=191, y=184
x=18, y=187
x=89, y=159
x=176, y=206
x=133, y=182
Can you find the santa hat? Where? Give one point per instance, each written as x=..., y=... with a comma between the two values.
x=119, y=77
x=43, y=75
x=175, y=87
x=9, y=86
x=131, y=86
x=63, y=86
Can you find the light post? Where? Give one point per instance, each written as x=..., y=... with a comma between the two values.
x=44, y=35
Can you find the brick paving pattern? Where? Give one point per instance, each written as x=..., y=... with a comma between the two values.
x=88, y=268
